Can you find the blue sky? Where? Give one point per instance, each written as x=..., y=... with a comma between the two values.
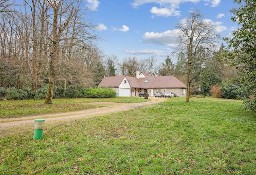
x=145, y=28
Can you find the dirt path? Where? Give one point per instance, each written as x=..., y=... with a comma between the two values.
x=7, y=124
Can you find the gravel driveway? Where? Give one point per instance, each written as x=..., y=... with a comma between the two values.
x=8, y=125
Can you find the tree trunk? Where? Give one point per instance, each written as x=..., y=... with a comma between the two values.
x=187, y=89
x=34, y=53
x=53, y=57
x=189, y=64
x=57, y=31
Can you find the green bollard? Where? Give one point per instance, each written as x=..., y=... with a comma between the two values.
x=38, y=129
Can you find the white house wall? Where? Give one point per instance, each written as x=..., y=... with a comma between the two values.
x=124, y=84
x=178, y=92
x=124, y=88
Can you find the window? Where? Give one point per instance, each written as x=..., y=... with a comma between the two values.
x=124, y=81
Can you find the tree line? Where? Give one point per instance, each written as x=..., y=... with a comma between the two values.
x=50, y=42
x=46, y=42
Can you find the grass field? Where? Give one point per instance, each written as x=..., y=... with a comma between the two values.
x=205, y=136
x=18, y=108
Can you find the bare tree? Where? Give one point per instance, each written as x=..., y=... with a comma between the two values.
x=111, y=65
x=4, y=5
x=57, y=31
x=196, y=33
x=148, y=65
x=46, y=40
x=129, y=66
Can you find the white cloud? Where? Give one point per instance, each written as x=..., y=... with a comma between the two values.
x=164, y=11
x=219, y=27
x=167, y=7
x=168, y=37
x=101, y=27
x=220, y=15
x=124, y=28
x=145, y=52
x=173, y=3
x=93, y=4
x=215, y=3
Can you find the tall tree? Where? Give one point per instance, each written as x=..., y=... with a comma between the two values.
x=130, y=66
x=212, y=72
x=180, y=67
x=243, y=43
x=57, y=31
x=167, y=68
x=195, y=34
x=111, y=66
x=147, y=65
x=98, y=72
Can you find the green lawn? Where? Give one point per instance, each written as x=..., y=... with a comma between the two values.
x=17, y=108
x=205, y=136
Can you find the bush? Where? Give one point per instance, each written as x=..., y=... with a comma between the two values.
x=15, y=94
x=99, y=93
x=231, y=91
x=2, y=92
x=41, y=93
x=250, y=104
x=23, y=94
x=12, y=94
x=30, y=94
x=71, y=92
x=74, y=92
x=59, y=92
x=215, y=91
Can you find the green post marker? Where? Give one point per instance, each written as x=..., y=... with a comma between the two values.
x=38, y=129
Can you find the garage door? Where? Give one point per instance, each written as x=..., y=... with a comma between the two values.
x=124, y=92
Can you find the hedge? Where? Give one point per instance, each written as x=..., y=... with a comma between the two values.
x=71, y=92
x=99, y=93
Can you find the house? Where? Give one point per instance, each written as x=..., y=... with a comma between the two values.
x=127, y=86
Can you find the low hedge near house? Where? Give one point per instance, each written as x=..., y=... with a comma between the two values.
x=73, y=92
x=99, y=93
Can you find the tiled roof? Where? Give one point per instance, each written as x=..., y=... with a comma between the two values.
x=150, y=82
x=161, y=82
x=134, y=82
x=113, y=82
